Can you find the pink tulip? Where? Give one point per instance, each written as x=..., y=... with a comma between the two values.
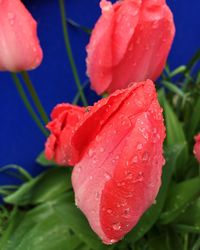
x=196, y=150
x=116, y=147
x=129, y=43
x=19, y=44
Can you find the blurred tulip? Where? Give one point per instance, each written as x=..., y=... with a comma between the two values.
x=117, y=148
x=19, y=45
x=196, y=150
x=129, y=43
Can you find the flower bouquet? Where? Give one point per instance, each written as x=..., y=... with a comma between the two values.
x=123, y=172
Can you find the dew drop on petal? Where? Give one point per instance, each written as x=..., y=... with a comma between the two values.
x=109, y=211
x=90, y=152
x=107, y=176
x=139, y=146
x=102, y=149
x=145, y=156
x=135, y=159
x=116, y=226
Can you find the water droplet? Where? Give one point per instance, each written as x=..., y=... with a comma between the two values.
x=126, y=213
x=135, y=159
x=139, y=146
x=77, y=201
x=138, y=102
x=11, y=17
x=145, y=156
x=138, y=41
x=79, y=169
x=120, y=184
x=98, y=138
x=113, y=241
x=102, y=149
x=134, y=64
x=109, y=211
x=116, y=226
x=97, y=195
x=37, y=60
x=90, y=152
x=113, y=161
x=164, y=161
x=107, y=176
x=145, y=135
x=129, y=175
x=139, y=178
x=155, y=25
x=117, y=157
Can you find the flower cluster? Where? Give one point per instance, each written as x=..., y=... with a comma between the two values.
x=116, y=145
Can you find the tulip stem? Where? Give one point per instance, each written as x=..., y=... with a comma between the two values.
x=35, y=97
x=27, y=103
x=69, y=52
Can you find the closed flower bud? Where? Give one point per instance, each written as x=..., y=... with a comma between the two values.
x=117, y=149
x=129, y=43
x=19, y=44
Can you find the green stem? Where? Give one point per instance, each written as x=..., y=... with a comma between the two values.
x=27, y=104
x=34, y=96
x=185, y=247
x=69, y=52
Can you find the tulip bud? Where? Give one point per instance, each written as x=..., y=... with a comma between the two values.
x=19, y=44
x=117, y=148
x=129, y=43
x=196, y=150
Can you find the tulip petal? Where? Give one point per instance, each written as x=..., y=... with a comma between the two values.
x=196, y=149
x=129, y=43
x=58, y=146
x=147, y=52
x=98, y=115
x=19, y=44
x=101, y=36
x=126, y=19
x=122, y=165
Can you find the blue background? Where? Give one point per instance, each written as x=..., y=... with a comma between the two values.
x=20, y=139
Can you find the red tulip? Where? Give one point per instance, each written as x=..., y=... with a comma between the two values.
x=19, y=45
x=116, y=146
x=129, y=43
x=196, y=150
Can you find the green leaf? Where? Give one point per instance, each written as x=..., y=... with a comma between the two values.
x=153, y=213
x=164, y=240
x=44, y=187
x=193, y=62
x=189, y=221
x=175, y=135
x=41, y=159
x=23, y=173
x=78, y=26
x=173, y=88
x=179, y=198
x=179, y=70
x=56, y=224
x=78, y=223
x=194, y=120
